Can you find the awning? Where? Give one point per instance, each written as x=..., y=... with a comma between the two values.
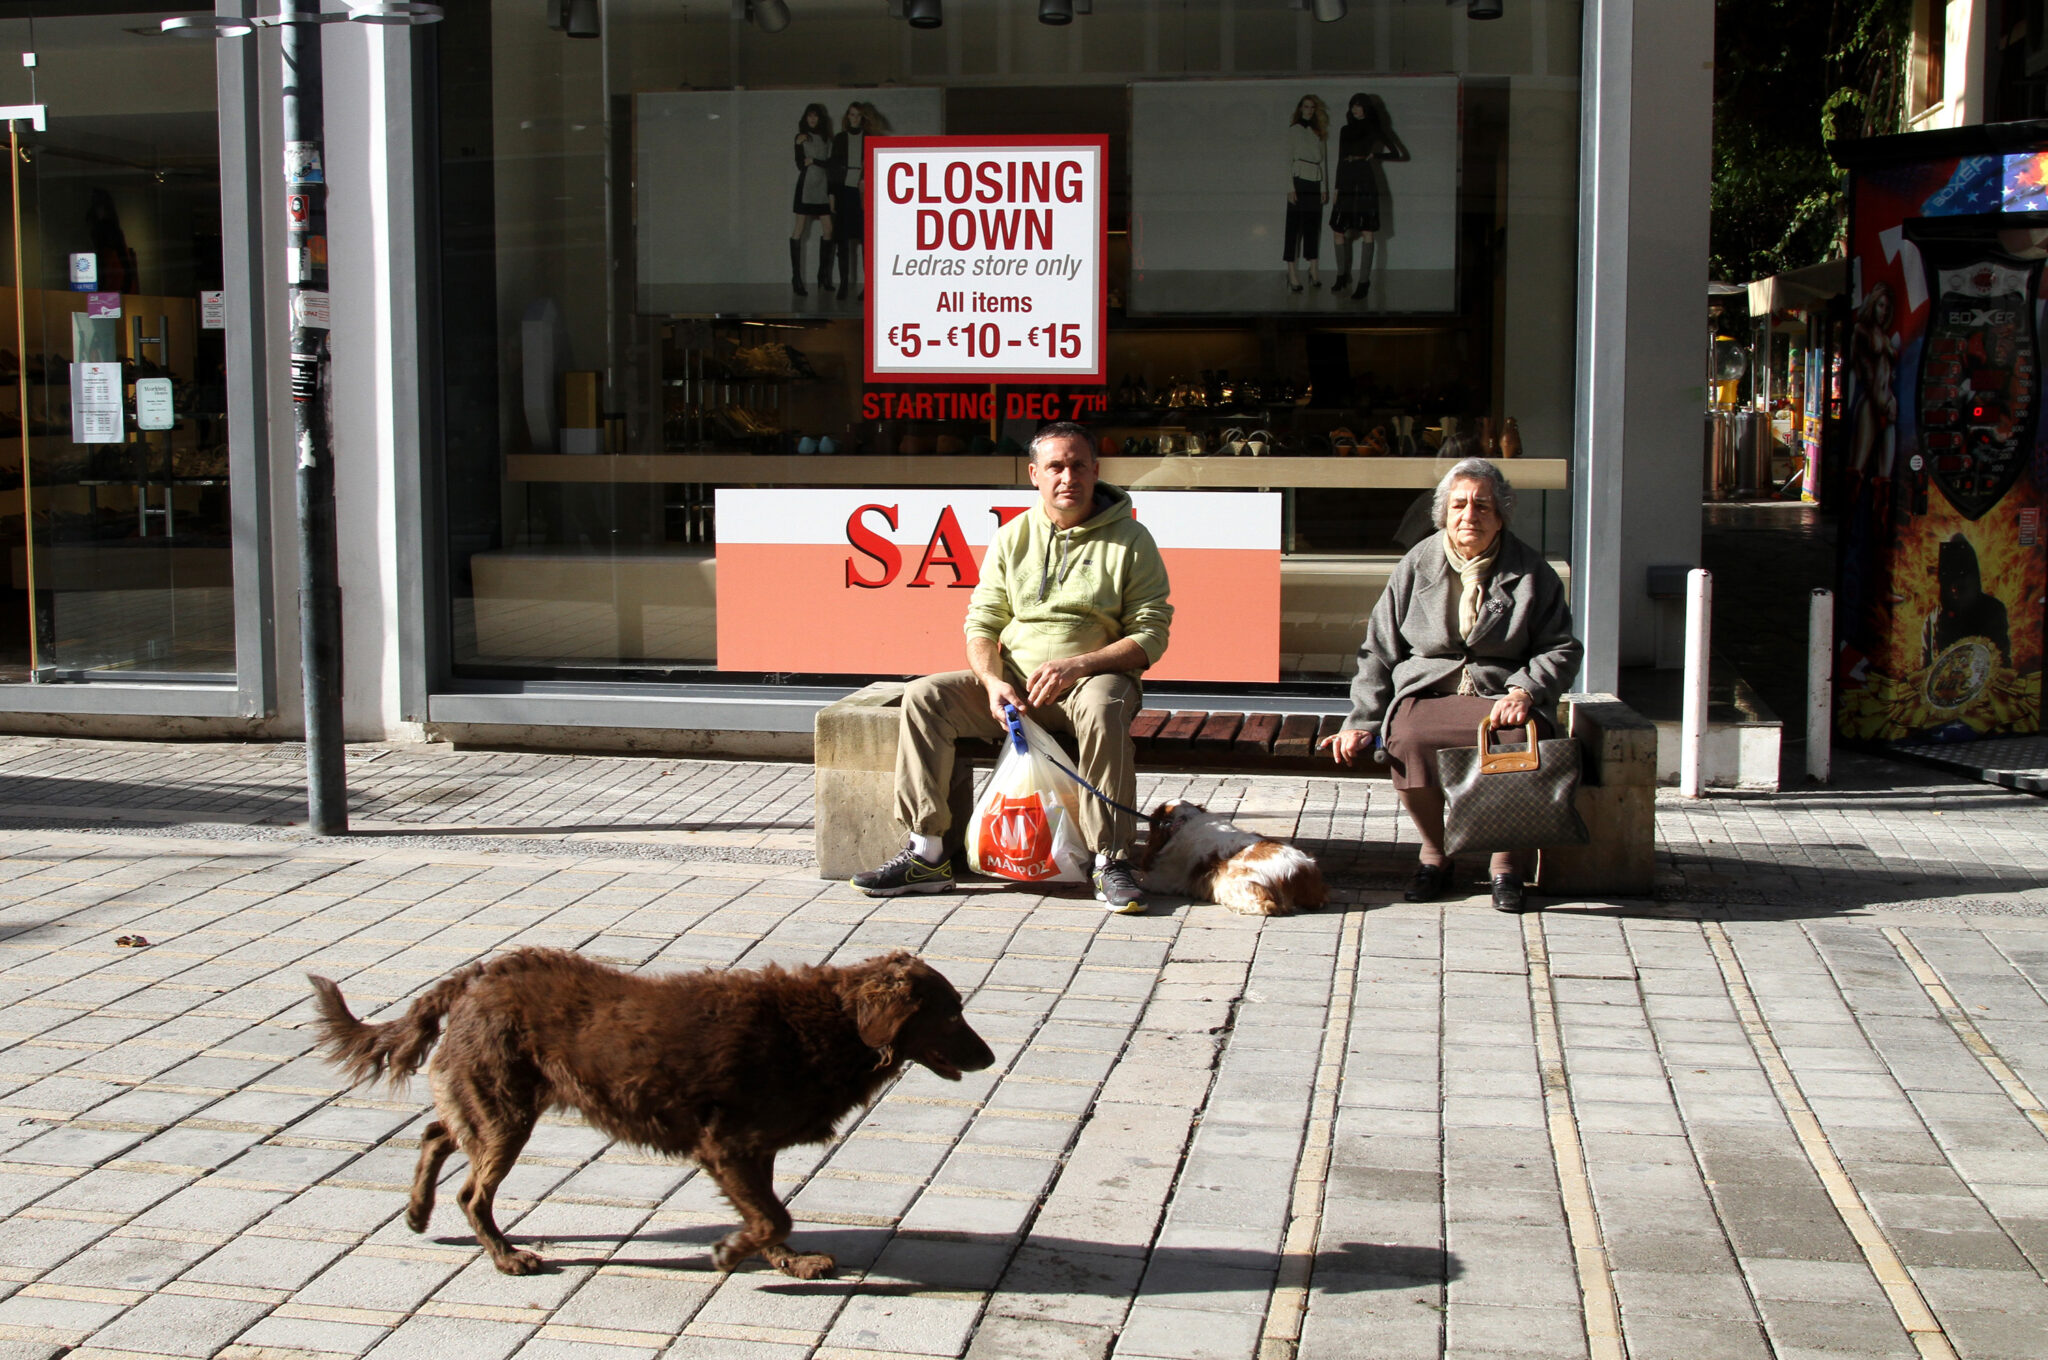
x=1799, y=288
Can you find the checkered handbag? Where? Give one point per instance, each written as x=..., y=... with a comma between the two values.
x=1517, y=798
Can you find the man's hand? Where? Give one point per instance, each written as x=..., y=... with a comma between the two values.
x=1000, y=692
x=1511, y=709
x=1347, y=747
x=1055, y=678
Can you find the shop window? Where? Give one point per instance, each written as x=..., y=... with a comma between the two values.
x=634, y=318
x=114, y=487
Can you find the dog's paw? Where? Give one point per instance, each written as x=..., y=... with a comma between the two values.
x=417, y=1216
x=807, y=1266
x=726, y=1256
x=517, y=1262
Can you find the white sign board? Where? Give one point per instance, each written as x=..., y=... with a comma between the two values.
x=85, y=272
x=96, y=403
x=213, y=310
x=153, y=404
x=985, y=259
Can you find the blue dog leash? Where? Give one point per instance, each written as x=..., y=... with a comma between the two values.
x=1016, y=725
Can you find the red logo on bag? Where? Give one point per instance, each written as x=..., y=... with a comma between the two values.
x=1016, y=838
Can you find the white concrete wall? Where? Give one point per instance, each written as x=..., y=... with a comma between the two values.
x=375, y=375
x=1645, y=165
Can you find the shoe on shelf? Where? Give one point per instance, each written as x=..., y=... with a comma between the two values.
x=1507, y=893
x=906, y=874
x=1428, y=884
x=1116, y=885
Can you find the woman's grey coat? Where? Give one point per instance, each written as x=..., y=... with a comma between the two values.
x=1522, y=639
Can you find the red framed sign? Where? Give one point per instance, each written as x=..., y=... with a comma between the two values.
x=985, y=259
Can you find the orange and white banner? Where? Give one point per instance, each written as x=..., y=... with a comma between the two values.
x=876, y=582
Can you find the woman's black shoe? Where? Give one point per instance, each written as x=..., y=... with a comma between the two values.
x=1507, y=893
x=1428, y=884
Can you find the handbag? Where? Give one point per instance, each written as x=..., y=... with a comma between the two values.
x=1518, y=798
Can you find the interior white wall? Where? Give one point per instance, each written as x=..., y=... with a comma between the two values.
x=1542, y=240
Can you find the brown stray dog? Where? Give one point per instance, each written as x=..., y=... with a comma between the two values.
x=727, y=1068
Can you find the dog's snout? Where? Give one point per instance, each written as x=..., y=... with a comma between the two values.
x=975, y=1054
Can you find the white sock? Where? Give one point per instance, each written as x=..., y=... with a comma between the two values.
x=930, y=849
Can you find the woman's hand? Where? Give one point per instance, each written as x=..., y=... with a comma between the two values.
x=1346, y=747
x=1512, y=709
x=1326, y=195
x=1292, y=197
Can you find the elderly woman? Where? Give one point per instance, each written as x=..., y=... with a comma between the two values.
x=1474, y=624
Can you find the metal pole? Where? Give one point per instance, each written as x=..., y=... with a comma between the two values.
x=1820, y=686
x=319, y=571
x=1699, y=607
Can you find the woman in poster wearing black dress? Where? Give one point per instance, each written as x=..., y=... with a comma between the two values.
x=1363, y=142
x=812, y=201
x=849, y=162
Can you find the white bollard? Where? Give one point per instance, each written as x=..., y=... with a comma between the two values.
x=1820, y=687
x=1692, y=730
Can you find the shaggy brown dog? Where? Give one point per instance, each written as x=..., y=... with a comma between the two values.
x=727, y=1068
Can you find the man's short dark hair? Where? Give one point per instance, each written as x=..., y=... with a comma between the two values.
x=1064, y=429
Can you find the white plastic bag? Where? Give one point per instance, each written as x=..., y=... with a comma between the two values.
x=1026, y=824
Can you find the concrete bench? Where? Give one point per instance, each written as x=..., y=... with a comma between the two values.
x=855, y=763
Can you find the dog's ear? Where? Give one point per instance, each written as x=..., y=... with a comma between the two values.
x=883, y=1001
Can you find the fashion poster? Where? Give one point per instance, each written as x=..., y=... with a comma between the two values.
x=739, y=191
x=1943, y=567
x=1264, y=195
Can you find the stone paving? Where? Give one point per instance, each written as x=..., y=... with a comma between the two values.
x=1789, y=1108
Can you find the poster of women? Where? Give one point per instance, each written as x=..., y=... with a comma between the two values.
x=1253, y=196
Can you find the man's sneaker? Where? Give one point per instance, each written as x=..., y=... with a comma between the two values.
x=906, y=874
x=1116, y=883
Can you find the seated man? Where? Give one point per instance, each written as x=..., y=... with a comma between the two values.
x=1071, y=607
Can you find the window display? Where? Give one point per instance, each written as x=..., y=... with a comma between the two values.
x=661, y=253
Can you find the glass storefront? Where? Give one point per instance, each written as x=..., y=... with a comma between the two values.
x=114, y=479
x=637, y=314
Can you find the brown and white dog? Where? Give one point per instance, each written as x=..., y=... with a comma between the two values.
x=1207, y=856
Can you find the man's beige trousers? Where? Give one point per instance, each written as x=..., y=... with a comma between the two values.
x=940, y=709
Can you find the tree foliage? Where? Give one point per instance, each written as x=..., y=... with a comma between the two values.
x=1790, y=76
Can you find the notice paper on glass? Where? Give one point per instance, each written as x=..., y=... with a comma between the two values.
x=96, y=403
x=985, y=258
x=153, y=404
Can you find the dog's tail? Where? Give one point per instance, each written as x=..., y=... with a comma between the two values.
x=393, y=1050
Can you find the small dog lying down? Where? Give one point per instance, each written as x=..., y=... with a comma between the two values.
x=1207, y=857
x=727, y=1068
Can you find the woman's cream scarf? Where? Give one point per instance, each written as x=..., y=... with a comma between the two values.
x=1472, y=574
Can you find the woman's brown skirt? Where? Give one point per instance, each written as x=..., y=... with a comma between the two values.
x=1423, y=724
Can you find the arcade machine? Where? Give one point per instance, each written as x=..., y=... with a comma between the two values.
x=1943, y=573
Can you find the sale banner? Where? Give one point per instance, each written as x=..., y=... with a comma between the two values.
x=844, y=581
x=985, y=258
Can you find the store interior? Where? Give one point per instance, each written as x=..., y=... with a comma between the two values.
x=589, y=550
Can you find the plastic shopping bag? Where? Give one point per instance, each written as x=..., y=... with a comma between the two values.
x=1026, y=824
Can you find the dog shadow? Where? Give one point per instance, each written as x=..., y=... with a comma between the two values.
x=980, y=1261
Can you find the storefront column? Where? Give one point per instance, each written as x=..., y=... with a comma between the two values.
x=373, y=214
x=1646, y=161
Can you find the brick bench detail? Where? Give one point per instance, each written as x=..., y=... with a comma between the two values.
x=855, y=765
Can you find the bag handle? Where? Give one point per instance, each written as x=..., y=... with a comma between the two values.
x=1015, y=721
x=1505, y=762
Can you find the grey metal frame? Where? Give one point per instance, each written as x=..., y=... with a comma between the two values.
x=1600, y=389
x=253, y=692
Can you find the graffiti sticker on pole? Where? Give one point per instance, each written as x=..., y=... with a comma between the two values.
x=985, y=258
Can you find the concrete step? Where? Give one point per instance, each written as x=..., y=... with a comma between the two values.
x=1743, y=737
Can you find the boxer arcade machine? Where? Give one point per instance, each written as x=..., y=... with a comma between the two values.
x=1944, y=463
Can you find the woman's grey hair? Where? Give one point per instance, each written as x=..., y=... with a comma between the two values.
x=1473, y=470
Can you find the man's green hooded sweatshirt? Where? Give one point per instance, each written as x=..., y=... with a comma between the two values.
x=1048, y=593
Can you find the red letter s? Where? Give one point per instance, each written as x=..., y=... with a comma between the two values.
x=874, y=545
